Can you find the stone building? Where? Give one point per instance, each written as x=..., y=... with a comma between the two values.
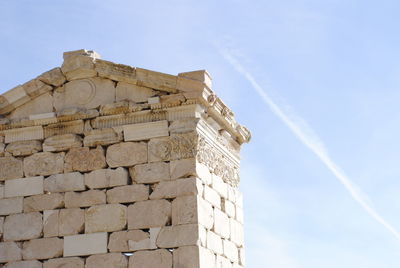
x=107, y=165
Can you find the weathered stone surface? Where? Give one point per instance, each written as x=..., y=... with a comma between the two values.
x=85, y=159
x=11, y=205
x=192, y=209
x=231, y=251
x=71, y=221
x=127, y=91
x=220, y=186
x=193, y=257
x=242, y=257
x=1, y=191
x=62, y=128
x=11, y=168
x=118, y=241
x=13, y=98
x=23, y=134
x=77, y=67
x=86, y=244
x=149, y=214
x=23, y=226
x=200, y=75
x=160, y=258
x=73, y=262
x=24, y=148
x=181, y=187
x=105, y=178
x=10, y=251
x=147, y=243
x=183, y=125
x=150, y=173
x=221, y=223
x=23, y=187
x=44, y=164
x=39, y=105
x=128, y=194
x=44, y=248
x=145, y=131
x=115, y=260
x=212, y=196
x=177, y=236
x=43, y=202
x=63, y=142
x=64, y=182
x=117, y=72
x=214, y=242
x=184, y=168
x=85, y=93
x=237, y=235
x=239, y=214
x=105, y=218
x=105, y=136
x=160, y=149
x=53, y=77
x=1, y=226
x=50, y=223
x=24, y=264
x=84, y=199
x=126, y=154
x=151, y=79
x=228, y=207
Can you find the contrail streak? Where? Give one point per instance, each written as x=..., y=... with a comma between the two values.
x=307, y=136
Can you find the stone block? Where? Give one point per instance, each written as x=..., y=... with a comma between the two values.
x=117, y=72
x=78, y=67
x=192, y=209
x=43, y=202
x=11, y=205
x=200, y=75
x=179, y=235
x=84, y=199
x=231, y=251
x=183, y=125
x=71, y=221
x=147, y=243
x=16, y=97
x=41, y=249
x=212, y=196
x=114, y=260
x=53, y=77
x=126, y=154
x=72, y=262
x=228, y=207
x=62, y=142
x=62, y=128
x=220, y=186
x=156, y=80
x=84, y=93
x=189, y=85
x=106, y=178
x=242, y=257
x=64, y=182
x=50, y=223
x=24, y=264
x=119, y=241
x=23, y=187
x=150, y=173
x=85, y=244
x=11, y=168
x=239, y=214
x=214, y=243
x=36, y=88
x=160, y=149
x=105, y=136
x=149, y=214
x=24, y=134
x=26, y=226
x=105, y=218
x=193, y=257
x=237, y=235
x=128, y=194
x=10, y=251
x=84, y=159
x=39, y=105
x=145, y=131
x=221, y=223
x=24, y=148
x=44, y=164
x=189, y=167
x=131, y=92
x=160, y=258
x=222, y=262
x=181, y=187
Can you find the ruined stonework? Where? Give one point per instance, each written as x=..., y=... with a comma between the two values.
x=108, y=165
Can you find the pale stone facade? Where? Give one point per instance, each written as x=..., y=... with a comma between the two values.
x=107, y=165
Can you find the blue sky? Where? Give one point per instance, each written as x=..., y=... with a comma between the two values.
x=335, y=64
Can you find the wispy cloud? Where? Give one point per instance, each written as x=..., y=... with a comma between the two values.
x=307, y=136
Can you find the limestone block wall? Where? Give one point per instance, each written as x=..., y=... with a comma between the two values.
x=107, y=165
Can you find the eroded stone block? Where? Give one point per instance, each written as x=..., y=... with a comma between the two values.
x=10, y=251
x=160, y=258
x=84, y=199
x=105, y=218
x=117, y=72
x=53, y=77
x=151, y=79
x=62, y=128
x=149, y=214
x=64, y=182
x=192, y=209
x=63, y=142
x=127, y=91
x=118, y=241
x=24, y=148
x=39, y=105
x=128, y=194
x=150, y=173
x=214, y=242
x=105, y=136
x=181, y=187
x=50, y=223
x=71, y=221
x=23, y=187
x=77, y=67
x=221, y=223
x=85, y=244
x=179, y=235
x=147, y=243
x=72, y=262
x=106, y=178
x=43, y=202
x=115, y=260
x=11, y=168
x=41, y=249
x=23, y=134
x=126, y=154
x=23, y=226
x=84, y=159
x=44, y=164
x=11, y=205
x=24, y=264
x=145, y=131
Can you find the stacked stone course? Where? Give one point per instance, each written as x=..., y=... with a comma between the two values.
x=107, y=165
